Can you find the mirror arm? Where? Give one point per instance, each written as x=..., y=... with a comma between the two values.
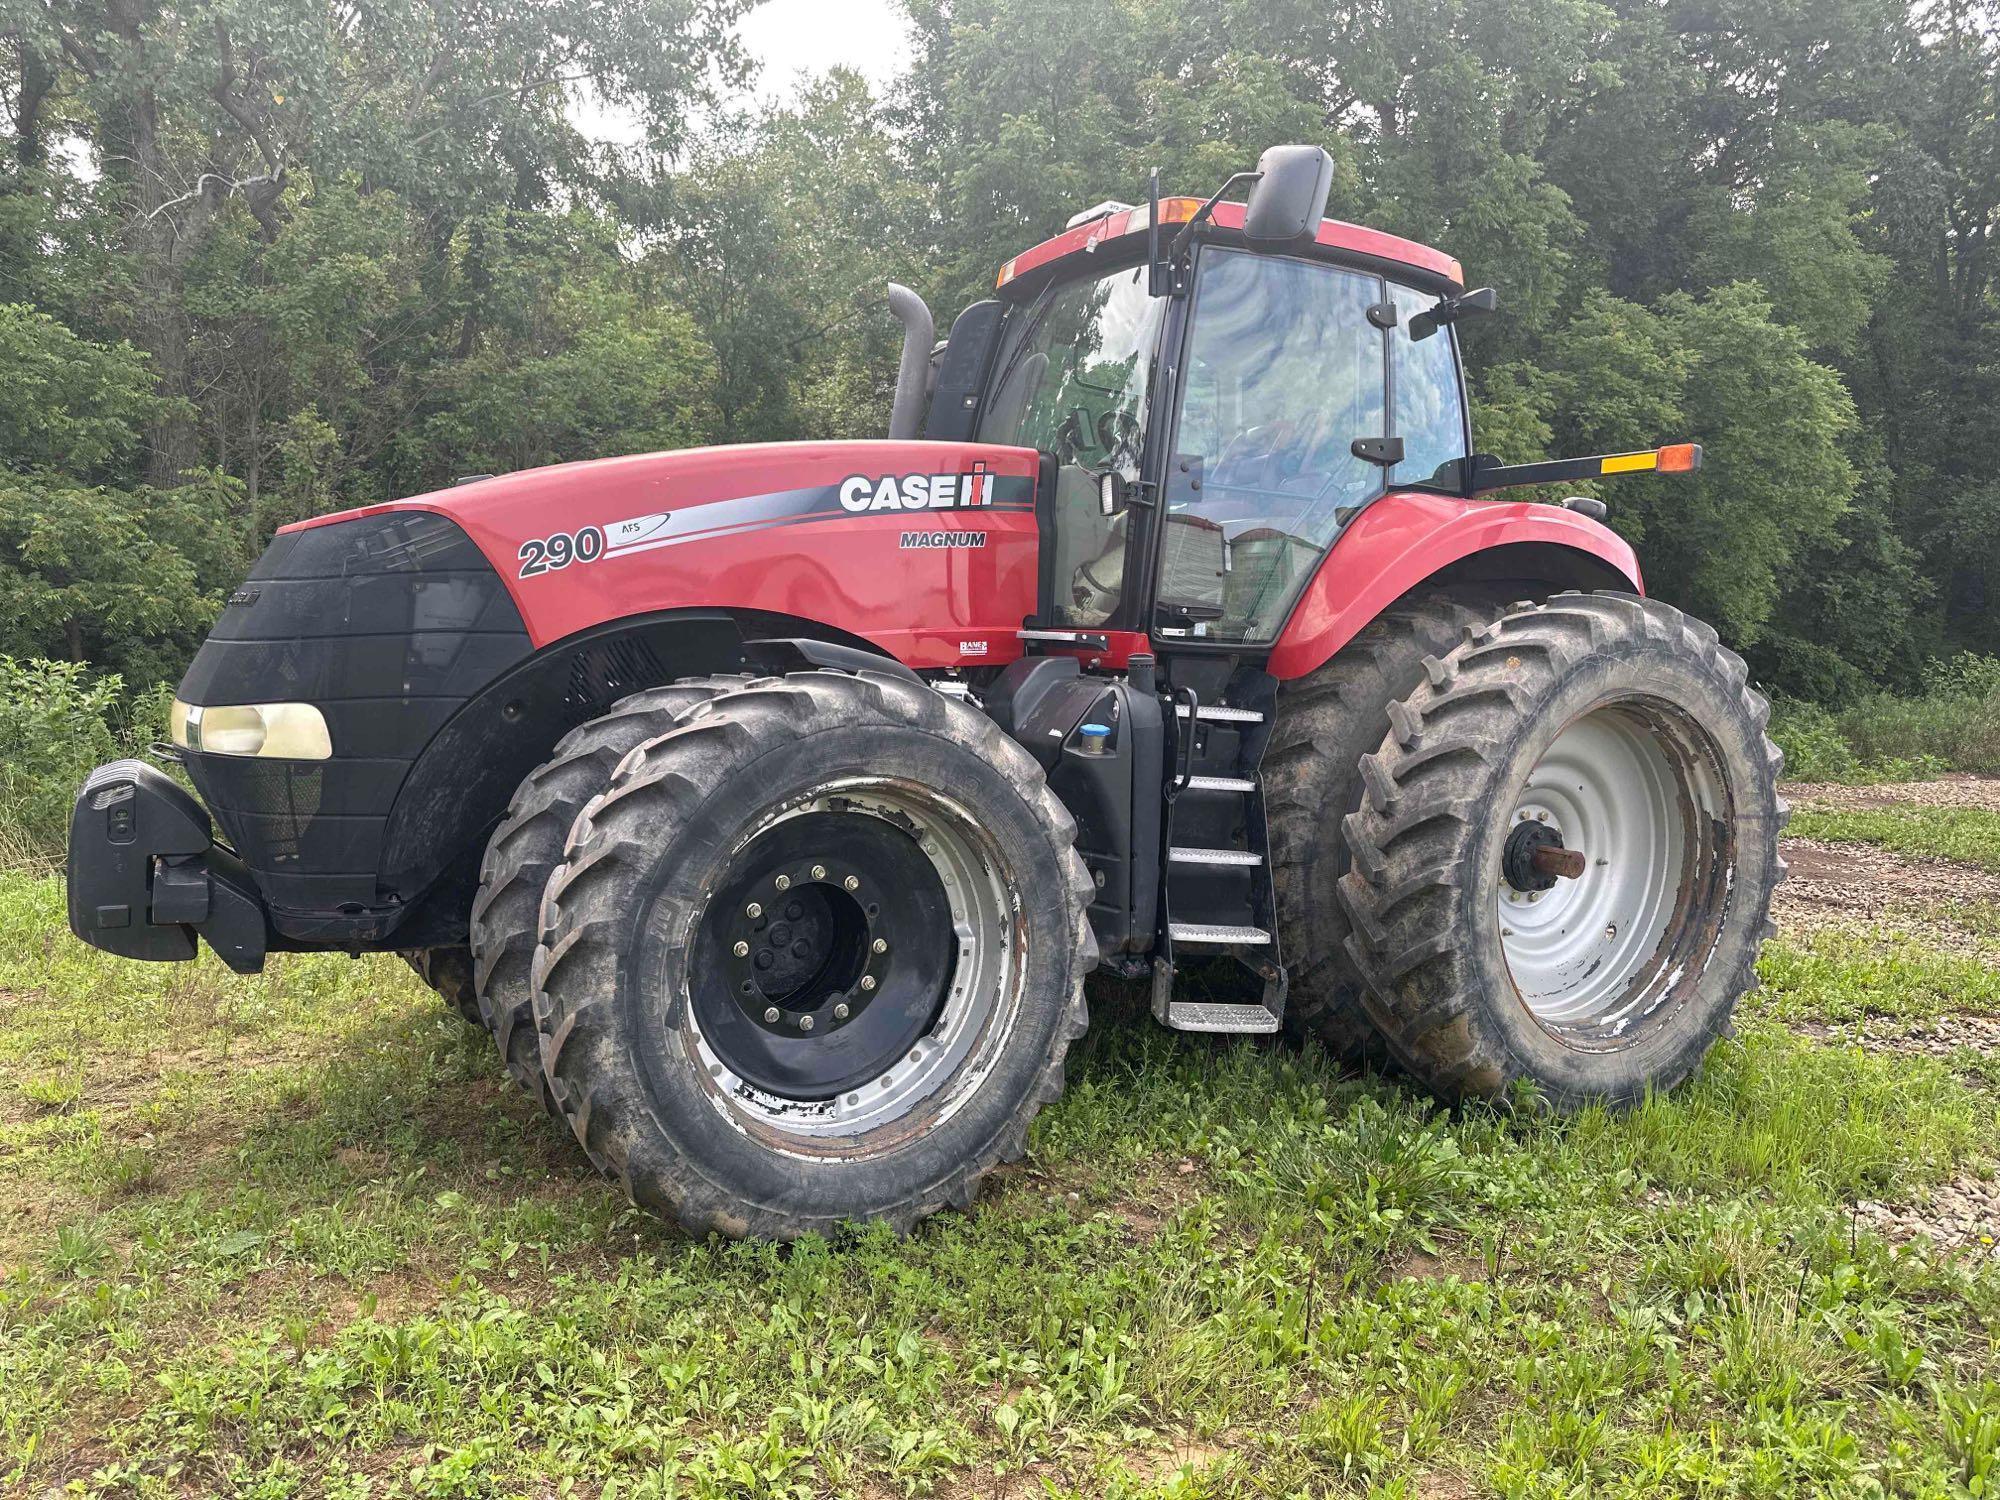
x=1201, y=215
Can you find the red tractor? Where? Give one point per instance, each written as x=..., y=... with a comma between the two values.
x=770, y=804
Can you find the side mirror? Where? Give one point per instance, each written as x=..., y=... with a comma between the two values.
x=1289, y=200
x=1451, y=309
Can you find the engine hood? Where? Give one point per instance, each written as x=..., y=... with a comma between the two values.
x=826, y=532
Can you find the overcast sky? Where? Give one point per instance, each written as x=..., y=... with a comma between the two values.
x=789, y=38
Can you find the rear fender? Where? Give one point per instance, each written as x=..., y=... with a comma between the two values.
x=1404, y=540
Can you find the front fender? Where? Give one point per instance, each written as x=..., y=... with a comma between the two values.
x=1404, y=539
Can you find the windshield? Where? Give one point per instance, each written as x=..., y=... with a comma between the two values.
x=1288, y=364
x=1076, y=380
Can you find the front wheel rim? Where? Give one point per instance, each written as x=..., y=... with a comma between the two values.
x=1634, y=787
x=940, y=1061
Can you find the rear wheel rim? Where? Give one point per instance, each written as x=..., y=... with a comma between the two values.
x=937, y=946
x=1633, y=785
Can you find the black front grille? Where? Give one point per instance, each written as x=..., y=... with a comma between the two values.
x=387, y=624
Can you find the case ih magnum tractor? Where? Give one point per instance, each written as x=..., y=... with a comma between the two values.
x=770, y=804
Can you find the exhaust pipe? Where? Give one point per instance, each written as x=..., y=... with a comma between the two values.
x=906, y=413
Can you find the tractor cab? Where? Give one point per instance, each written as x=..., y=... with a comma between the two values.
x=1216, y=401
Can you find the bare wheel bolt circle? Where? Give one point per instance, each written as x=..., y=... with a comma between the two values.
x=741, y=950
x=770, y=1015
x=819, y=872
x=868, y=981
x=880, y=945
x=784, y=882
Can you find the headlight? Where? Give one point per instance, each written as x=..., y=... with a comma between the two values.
x=276, y=731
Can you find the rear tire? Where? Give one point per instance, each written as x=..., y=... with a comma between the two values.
x=876, y=1060
x=1617, y=727
x=1312, y=779
x=528, y=845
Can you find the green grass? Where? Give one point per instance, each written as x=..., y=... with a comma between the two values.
x=1969, y=835
x=296, y=1235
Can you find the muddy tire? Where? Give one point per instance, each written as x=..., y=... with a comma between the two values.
x=1326, y=722
x=449, y=972
x=815, y=955
x=528, y=844
x=1599, y=725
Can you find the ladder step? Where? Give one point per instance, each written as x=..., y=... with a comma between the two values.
x=1184, y=856
x=1189, y=1015
x=1205, y=932
x=1217, y=713
x=1221, y=784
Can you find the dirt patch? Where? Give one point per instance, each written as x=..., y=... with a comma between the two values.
x=1844, y=885
x=1956, y=790
x=1955, y=1216
x=1939, y=1036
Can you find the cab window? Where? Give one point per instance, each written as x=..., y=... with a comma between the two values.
x=1075, y=380
x=1429, y=404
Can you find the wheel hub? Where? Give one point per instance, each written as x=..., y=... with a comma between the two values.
x=824, y=956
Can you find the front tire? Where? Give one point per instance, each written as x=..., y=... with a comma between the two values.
x=528, y=845
x=815, y=955
x=1599, y=725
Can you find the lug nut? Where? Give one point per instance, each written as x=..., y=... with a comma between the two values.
x=851, y=883
x=840, y=1011
x=868, y=981
x=805, y=1023
x=741, y=950
x=770, y=1015
x=784, y=882
x=819, y=872
x=880, y=945
x=753, y=911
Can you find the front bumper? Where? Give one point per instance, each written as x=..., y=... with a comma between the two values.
x=146, y=877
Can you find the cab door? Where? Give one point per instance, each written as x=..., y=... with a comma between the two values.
x=1076, y=380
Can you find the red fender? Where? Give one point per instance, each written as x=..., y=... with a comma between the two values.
x=1402, y=539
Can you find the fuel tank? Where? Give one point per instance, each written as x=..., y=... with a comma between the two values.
x=927, y=549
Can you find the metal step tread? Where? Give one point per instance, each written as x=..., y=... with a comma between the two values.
x=1221, y=784
x=1220, y=713
x=1197, y=1015
x=1207, y=932
x=1184, y=855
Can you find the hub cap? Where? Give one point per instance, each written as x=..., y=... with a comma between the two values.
x=851, y=960
x=1630, y=787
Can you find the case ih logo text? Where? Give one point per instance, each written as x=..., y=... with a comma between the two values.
x=862, y=492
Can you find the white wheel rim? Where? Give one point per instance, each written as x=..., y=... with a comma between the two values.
x=1580, y=950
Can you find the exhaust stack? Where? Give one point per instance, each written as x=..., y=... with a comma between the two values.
x=906, y=414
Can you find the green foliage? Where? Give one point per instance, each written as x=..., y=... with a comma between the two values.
x=1950, y=723
x=254, y=266
x=56, y=725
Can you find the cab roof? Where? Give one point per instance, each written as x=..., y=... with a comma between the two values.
x=1353, y=244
